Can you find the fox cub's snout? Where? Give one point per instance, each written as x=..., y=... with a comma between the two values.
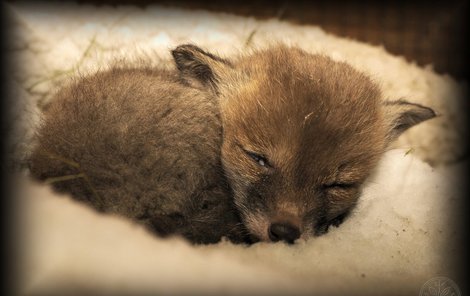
x=301, y=134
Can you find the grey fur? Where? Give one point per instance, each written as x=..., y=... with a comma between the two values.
x=149, y=149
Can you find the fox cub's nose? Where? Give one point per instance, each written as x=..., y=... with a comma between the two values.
x=283, y=231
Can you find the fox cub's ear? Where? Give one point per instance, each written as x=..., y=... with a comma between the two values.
x=197, y=67
x=401, y=115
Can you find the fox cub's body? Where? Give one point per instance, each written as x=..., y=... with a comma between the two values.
x=297, y=136
x=149, y=149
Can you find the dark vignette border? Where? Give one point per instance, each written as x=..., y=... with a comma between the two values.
x=10, y=257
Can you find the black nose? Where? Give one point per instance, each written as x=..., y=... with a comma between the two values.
x=283, y=231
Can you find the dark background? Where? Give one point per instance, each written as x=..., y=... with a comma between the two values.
x=428, y=32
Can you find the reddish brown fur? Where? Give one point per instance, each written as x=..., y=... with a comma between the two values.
x=317, y=121
x=320, y=124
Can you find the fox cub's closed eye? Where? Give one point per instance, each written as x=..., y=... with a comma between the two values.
x=261, y=160
x=339, y=185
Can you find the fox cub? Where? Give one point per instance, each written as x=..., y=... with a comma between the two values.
x=270, y=146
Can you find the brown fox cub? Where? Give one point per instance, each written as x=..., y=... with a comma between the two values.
x=301, y=134
x=297, y=136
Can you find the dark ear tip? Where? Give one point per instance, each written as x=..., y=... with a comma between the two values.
x=404, y=115
x=179, y=50
x=185, y=53
x=428, y=113
x=416, y=114
x=187, y=47
x=424, y=112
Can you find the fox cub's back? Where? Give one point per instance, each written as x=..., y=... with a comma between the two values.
x=147, y=147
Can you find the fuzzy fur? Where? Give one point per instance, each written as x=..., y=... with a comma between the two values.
x=148, y=148
x=301, y=134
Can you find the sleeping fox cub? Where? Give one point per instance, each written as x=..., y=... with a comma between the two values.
x=270, y=146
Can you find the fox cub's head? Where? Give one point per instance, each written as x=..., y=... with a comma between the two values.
x=301, y=134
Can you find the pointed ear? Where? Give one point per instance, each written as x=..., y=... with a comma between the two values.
x=197, y=67
x=401, y=115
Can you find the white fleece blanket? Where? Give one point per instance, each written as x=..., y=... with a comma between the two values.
x=394, y=241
